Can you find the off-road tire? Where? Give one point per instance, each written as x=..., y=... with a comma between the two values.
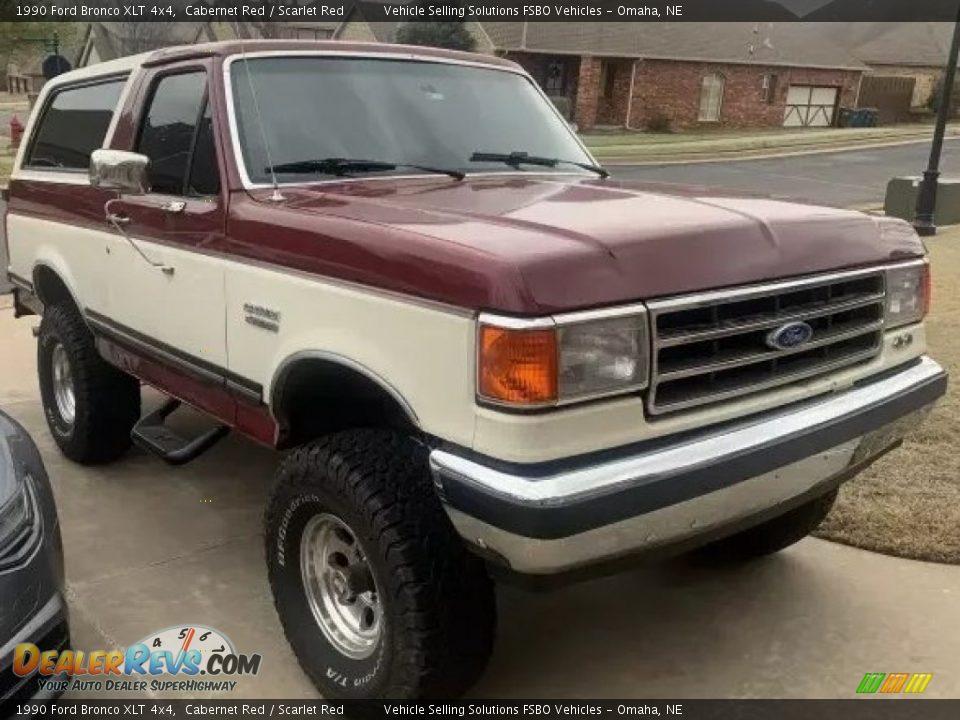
x=774, y=535
x=107, y=399
x=438, y=604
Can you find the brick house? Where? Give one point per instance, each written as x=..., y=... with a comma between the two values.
x=916, y=50
x=682, y=74
x=686, y=74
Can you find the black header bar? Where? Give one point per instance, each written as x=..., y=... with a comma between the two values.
x=487, y=10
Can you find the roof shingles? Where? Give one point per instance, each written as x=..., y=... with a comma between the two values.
x=790, y=44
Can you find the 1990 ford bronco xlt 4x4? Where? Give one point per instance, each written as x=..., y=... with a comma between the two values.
x=484, y=352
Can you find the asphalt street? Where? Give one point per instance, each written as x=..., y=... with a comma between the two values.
x=851, y=178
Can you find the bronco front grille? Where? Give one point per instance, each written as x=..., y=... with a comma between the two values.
x=714, y=346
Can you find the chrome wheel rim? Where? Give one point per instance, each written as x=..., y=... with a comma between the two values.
x=63, y=393
x=341, y=591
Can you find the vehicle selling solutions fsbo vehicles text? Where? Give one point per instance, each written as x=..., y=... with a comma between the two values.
x=526, y=11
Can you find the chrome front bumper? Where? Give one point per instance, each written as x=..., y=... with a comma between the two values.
x=560, y=516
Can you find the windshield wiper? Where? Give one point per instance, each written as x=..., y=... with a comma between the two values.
x=517, y=158
x=343, y=166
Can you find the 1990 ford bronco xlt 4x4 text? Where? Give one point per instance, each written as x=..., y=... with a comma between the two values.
x=484, y=352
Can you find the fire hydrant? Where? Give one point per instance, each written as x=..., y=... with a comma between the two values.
x=16, y=131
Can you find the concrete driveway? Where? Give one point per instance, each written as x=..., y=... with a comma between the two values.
x=150, y=547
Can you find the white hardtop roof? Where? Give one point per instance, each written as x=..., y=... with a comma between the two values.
x=110, y=67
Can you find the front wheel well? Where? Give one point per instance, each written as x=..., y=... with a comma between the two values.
x=51, y=289
x=317, y=396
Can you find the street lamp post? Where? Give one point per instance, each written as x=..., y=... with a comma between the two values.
x=927, y=197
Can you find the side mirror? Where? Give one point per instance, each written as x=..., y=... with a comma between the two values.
x=120, y=170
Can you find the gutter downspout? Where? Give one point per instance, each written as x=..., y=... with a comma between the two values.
x=856, y=102
x=633, y=79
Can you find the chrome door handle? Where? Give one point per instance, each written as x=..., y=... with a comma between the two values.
x=174, y=206
x=115, y=219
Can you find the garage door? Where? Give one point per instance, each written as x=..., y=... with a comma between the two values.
x=810, y=106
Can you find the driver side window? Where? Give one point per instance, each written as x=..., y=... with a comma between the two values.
x=177, y=136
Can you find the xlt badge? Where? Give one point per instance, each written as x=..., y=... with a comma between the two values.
x=262, y=317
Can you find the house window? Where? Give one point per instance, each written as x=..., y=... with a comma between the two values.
x=608, y=79
x=555, y=79
x=711, y=98
x=769, y=88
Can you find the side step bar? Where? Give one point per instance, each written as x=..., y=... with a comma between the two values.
x=152, y=434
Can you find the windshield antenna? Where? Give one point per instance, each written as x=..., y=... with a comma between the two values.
x=277, y=196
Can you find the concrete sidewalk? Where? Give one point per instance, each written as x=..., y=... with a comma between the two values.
x=149, y=546
x=637, y=148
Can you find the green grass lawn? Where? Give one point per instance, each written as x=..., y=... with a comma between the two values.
x=908, y=504
x=6, y=167
x=625, y=144
x=7, y=155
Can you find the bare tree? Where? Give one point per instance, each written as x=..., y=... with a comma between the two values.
x=253, y=29
x=130, y=38
x=117, y=39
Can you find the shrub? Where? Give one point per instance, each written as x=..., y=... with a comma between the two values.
x=563, y=105
x=449, y=35
x=937, y=94
x=658, y=122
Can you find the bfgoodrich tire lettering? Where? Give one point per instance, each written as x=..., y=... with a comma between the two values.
x=437, y=601
x=106, y=400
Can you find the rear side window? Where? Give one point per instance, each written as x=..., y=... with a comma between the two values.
x=177, y=125
x=73, y=125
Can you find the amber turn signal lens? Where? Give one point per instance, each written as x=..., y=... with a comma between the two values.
x=518, y=367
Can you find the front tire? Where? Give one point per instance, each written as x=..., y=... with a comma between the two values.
x=377, y=594
x=776, y=534
x=90, y=405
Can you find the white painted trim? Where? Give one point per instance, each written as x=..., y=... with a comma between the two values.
x=93, y=72
x=633, y=82
x=248, y=184
x=52, y=176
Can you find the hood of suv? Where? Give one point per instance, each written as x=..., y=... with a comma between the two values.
x=574, y=243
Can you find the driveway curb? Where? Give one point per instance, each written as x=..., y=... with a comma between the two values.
x=739, y=156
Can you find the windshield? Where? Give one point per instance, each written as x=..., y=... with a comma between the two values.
x=398, y=111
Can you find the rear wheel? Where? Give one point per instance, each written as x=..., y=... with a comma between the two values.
x=90, y=405
x=377, y=594
x=776, y=534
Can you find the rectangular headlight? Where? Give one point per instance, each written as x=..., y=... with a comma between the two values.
x=602, y=357
x=569, y=358
x=908, y=294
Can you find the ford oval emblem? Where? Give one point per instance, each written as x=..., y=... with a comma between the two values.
x=790, y=336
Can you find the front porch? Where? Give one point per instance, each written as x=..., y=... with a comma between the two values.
x=588, y=90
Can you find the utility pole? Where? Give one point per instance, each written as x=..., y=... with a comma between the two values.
x=927, y=197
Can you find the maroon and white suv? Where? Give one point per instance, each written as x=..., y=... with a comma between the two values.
x=484, y=352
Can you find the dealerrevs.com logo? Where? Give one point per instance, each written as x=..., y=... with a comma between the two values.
x=188, y=658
